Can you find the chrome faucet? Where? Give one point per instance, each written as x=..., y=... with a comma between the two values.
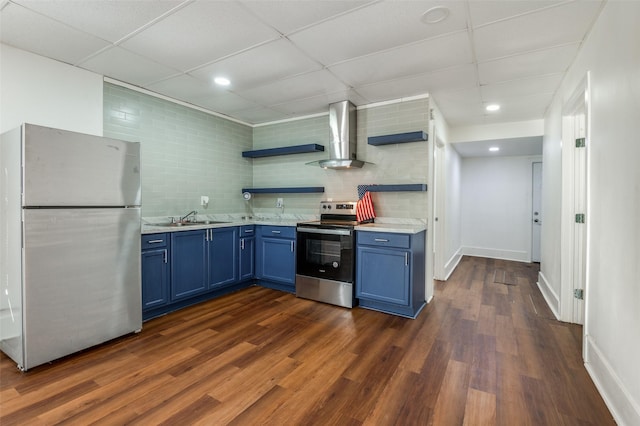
x=183, y=218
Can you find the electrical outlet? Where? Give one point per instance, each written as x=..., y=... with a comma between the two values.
x=280, y=203
x=204, y=200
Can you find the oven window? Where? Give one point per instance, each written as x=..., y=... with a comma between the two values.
x=321, y=252
x=326, y=256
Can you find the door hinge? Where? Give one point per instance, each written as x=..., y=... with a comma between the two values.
x=580, y=218
x=578, y=293
x=581, y=142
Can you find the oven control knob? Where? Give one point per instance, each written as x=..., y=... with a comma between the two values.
x=335, y=264
x=329, y=206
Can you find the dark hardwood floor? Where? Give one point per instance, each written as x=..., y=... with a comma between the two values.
x=485, y=351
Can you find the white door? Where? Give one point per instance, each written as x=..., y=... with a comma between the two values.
x=536, y=214
x=574, y=262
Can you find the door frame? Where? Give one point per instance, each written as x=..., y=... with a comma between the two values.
x=439, y=218
x=540, y=215
x=575, y=190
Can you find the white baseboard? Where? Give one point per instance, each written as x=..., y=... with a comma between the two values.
x=624, y=409
x=451, y=265
x=516, y=255
x=550, y=296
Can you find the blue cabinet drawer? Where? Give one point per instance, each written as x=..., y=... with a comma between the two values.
x=151, y=241
x=247, y=231
x=384, y=239
x=278, y=231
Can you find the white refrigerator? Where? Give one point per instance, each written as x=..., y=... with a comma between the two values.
x=70, y=242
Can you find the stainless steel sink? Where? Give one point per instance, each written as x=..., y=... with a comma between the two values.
x=207, y=222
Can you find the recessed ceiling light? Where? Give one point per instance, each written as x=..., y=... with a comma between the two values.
x=492, y=107
x=435, y=15
x=494, y=149
x=222, y=81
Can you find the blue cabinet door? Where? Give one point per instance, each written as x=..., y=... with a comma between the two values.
x=188, y=263
x=155, y=278
x=383, y=275
x=223, y=256
x=247, y=258
x=276, y=260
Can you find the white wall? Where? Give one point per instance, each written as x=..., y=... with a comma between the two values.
x=612, y=319
x=496, y=207
x=481, y=132
x=38, y=90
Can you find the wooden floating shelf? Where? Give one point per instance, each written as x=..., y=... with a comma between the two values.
x=289, y=190
x=398, y=138
x=396, y=188
x=286, y=150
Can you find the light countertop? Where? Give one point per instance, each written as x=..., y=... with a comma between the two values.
x=405, y=226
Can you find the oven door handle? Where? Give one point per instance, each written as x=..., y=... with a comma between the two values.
x=325, y=231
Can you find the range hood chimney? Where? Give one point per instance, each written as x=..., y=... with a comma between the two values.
x=342, y=146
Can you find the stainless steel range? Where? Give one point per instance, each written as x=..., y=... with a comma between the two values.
x=325, y=267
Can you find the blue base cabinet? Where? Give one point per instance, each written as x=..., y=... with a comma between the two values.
x=188, y=264
x=276, y=257
x=154, y=265
x=390, y=275
x=222, y=251
x=247, y=252
x=183, y=268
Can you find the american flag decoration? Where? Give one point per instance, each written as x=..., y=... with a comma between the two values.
x=364, y=208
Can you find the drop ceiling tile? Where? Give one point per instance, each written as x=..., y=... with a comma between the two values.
x=536, y=103
x=521, y=87
x=416, y=58
x=453, y=97
x=566, y=23
x=550, y=61
x=520, y=109
x=462, y=77
x=457, y=105
x=483, y=12
x=123, y=65
x=109, y=20
x=287, y=16
x=30, y=31
x=259, y=65
x=374, y=28
x=200, y=33
x=299, y=87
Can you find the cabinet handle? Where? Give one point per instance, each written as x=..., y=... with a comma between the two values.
x=164, y=256
x=155, y=241
x=381, y=240
x=406, y=259
x=248, y=231
x=242, y=244
x=291, y=246
x=275, y=232
x=210, y=231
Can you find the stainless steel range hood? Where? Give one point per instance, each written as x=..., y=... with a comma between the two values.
x=342, y=146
